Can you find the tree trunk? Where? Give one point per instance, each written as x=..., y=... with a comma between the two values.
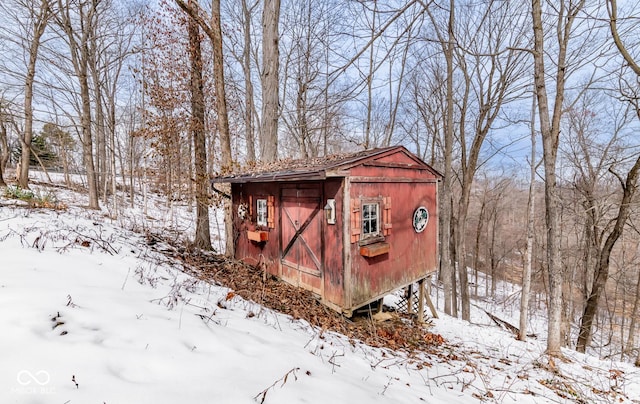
x=223, y=118
x=87, y=140
x=270, y=79
x=132, y=169
x=40, y=24
x=461, y=250
x=65, y=165
x=629, y=187
x=80, y=56
x=202, y=237
x=214, y=32
x=367, y=124
x=81, y=53
x=485, y=119
x=476, y=247
x=4, y=149
x=100, y=153
x=550, y=129
x=493, y=259
x=446, y=266
x=633, y=325
x=526, y=273
x=218, y=78
x=112, y=150
x=248, y=84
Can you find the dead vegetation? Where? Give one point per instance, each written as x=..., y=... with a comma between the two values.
x=251, y=283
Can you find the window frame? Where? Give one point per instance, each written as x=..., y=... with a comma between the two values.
x=262, y=212
x=378, y=235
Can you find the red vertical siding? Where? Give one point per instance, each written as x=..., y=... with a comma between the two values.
x=253, y=253
x=333, y=268
x=301, y=226
x=411, y=255
x=400, y=185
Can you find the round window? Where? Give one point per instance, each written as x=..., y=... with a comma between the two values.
x=420, y=219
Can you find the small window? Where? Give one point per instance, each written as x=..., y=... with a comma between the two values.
x=261, y=210
x=370, y=220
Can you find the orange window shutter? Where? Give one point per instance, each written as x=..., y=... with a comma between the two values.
x=356, y=221
x=271, y=212
x=251, y=206
x=386, y=216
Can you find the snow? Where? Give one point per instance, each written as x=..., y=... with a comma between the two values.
x=85, y=300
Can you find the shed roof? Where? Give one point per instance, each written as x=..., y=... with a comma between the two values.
x=319, y=168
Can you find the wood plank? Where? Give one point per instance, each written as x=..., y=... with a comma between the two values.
x=300, y=229
x=301, y=268
x=258, y=236
x=360, y=178
x=346, y=246
x=373, y=250
x=421, y=301
x=410, y=166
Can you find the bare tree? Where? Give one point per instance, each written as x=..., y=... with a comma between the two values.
x=249, y=104
x=78, y=39
x=428, y=99
x=3, y=151
x=270, y=80
x=633, y=325
x=98, y=119
x=370, y=73
x=526, y=272
x=31, y=17
x=565, y=16
x=214, y=32
x=110, y=50
x=446, y=40
x=499, y=243
x=5, y=118
x=309, y=103
x=241, y=50
x=491, y=69
x=202, y=237
x=629, y=184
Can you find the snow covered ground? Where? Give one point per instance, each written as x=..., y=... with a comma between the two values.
x=92, y=314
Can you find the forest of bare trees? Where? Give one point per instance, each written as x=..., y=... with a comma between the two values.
x=530, y=109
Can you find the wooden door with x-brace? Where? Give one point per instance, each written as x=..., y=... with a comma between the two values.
x=301, y=232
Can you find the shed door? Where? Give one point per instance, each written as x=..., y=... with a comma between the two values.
x=301, y=230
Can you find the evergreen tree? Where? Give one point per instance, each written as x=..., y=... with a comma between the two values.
x=44, y=146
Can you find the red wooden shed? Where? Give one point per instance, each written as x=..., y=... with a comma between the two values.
x=350, y=228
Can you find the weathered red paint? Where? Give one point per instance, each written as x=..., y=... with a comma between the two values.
x=306, y=251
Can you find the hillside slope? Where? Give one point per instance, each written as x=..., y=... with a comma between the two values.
x=93, y=313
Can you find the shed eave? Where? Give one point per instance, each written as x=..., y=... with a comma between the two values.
x=337, y=173
x=273, y=177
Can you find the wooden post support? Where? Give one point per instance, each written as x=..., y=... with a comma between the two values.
x=421, y=301
x=410, y=299
x=434, y=313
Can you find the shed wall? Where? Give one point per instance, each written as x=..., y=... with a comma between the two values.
x=334, y=289
x=330, y=285
x=248, y=251
x=412, y=256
